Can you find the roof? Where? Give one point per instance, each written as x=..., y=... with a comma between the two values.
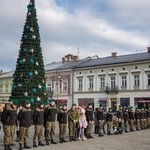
x=114, y=60
x=7, y=74
x=52, y=65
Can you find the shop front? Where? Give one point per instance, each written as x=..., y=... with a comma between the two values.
x=83, y=102
x=125, y=102
x=103, y=102
x=142, y=102
x=113, y=104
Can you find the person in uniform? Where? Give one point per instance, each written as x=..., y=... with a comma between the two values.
x=109, y=120
x=142, y=118
x=145, y=119
x=62, y=119
x=148, y=118
x=73, y=119
x=126, y=120
x=50, y=117
x=120, y=120
x=137, y=119
x=25, y=122
x=100, y=120
x=9, y=118
x=131, y=119
x=90, y=119
x=38, y=119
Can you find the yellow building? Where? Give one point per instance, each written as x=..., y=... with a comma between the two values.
x=5, y=86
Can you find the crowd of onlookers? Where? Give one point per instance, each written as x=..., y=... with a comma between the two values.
x=79, y=121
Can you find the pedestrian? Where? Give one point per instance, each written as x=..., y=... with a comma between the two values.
x=38, y=119
x=126, y=120
x=50, y=117
x=25, y=122
x=62, y=119
x=9, y=118
x=109, y=119
x=90, y=119
x=137, y=119
x=96, y=123
x=72, y=122
x=131, y=119
x=82, y=125
x=100, y=119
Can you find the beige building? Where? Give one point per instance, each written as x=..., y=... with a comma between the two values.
x=5, y=86
x=113, y=81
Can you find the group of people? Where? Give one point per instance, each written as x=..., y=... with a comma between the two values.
x=80, y=121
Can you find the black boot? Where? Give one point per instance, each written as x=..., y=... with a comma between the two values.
x=90, y=136
x=70, y=138
x=41, y=144
x=47, y=142
x=61, y=141
x=9, y=147
x=26, y=146
x=64, y=140
x=20, y=146
x=34, y=144
x=53, y=142
x=6, y=147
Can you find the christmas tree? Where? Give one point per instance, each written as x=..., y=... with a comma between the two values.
x=29, y=77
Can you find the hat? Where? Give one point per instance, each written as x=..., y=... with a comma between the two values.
x=64, y=105
x=41, y=103
x=89, y=104
x=15, y=102
x=26, y=102
x=74, y=104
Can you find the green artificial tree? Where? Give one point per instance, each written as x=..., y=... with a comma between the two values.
x=29, y=77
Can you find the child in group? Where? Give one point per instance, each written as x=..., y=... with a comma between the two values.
x=82, y=125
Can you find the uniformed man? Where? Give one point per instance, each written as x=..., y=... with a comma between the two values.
x=120, y=119
x=73, y=119
x=100, y=120
x=137, y=119
x=145, y=119
x=9, y=118
x=142, y=118
x=90, y=119
x=109, y=120
x=25, y=122
x=50, y=117
x=148, y=118
x=131, y=119
x=62, y=119
x=38, y=118
x=126, y=120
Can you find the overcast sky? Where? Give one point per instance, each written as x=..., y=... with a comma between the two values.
x=95, y=27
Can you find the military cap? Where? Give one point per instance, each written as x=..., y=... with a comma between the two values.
x=74, y=104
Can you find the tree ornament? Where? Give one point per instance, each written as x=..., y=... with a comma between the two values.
x=19, y=84
x=31, y=99
x=30, y=74
x=27, y=27
x=24, y=60
x=36, y=72
x=37, y=63
x=38, y=98
x=31, y=61
x=26, y=94
x=14, y=86
x=21, y=61
x=31, y=29
x=31, y=50
x=25, y=36
x=44, y=93
x=29, y=14
x=25, y=49
x=34, y=90
x=39, y=86
x=34, y=37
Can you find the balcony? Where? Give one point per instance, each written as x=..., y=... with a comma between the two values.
x=113, y=90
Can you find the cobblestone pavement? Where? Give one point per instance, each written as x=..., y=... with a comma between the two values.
x=139, y=140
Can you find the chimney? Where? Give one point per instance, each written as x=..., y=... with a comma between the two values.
x=114, y=54
x=1, y=72
x=63, y=60
x=148, y=49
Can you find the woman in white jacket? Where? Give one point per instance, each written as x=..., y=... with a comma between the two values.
x=82, y=125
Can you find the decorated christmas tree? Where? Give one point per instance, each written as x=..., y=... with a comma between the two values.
x=29, y=77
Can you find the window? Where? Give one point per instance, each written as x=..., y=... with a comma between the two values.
x=113, y=83
x=102, y=82
x=136, y=80
x=80, y=84
x=148, y=79
x=1, y=88
x=49, y=87
x=124, y=81
x=6, y=88
x=91, y=83
x=64, y=86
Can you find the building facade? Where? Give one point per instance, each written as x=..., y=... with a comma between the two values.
x=113, y=81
